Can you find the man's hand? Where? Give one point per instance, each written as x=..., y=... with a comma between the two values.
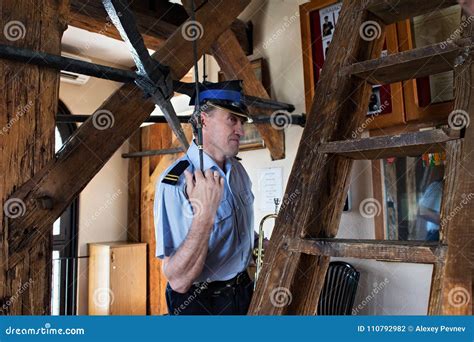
x=205, y=193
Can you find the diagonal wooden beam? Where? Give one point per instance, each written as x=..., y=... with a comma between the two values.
x=49, y=192
x=235, y=65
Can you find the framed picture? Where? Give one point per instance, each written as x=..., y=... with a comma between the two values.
x=318, y=24
x=429, y=98
x=252, y=139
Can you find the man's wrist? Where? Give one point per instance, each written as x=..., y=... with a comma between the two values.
x=204, y=221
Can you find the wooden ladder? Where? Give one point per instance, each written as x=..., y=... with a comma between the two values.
x=303, y=240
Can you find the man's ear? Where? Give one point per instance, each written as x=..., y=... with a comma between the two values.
x=204, y=118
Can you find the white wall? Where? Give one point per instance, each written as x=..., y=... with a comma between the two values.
x=103, y=202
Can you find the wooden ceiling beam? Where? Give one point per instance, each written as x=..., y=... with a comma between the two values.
x=53, y=188
x=154, y=25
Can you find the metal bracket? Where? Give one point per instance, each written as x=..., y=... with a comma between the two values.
x=152, y=77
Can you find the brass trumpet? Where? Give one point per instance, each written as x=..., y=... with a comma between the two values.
x=260, y=250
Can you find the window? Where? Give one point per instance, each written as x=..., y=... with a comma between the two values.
x=64, y=263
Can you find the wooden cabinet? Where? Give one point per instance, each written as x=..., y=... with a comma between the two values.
x=117, y=278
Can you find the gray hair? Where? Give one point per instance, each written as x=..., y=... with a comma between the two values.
x=193, y=120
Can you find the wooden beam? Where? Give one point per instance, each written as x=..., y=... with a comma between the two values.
x=318, y=183
x=134, y=189
x=412, y=144
x=391, y=11
x=407, y=65
x=402, y=251
x=457, y=219
x=155, y=26
x=235, y=65
x=90, y=148
x=28, y=106
x=91, y=16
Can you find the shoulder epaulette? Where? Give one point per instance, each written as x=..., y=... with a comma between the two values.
x=173, y=175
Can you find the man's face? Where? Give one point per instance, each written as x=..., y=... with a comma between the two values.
x=222, y=132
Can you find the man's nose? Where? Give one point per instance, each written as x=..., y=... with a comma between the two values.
x=239, y=129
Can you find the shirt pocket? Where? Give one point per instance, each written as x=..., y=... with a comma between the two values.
x=246, y=197
x=221, y=224
x=224, y=211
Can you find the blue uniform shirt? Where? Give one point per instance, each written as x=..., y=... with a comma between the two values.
x=231, y=239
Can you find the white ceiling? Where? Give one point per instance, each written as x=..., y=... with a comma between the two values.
x=94, y=45
x=111, y=51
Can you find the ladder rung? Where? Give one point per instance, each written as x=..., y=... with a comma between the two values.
x=426, y=252
x=428, y=60
x=391, y=11
x=406, y=144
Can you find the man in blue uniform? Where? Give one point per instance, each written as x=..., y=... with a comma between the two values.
x=204, y=221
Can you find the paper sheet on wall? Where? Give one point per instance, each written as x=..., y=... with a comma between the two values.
x=270, y=186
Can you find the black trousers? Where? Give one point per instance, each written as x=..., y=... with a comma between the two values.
x=215, y=298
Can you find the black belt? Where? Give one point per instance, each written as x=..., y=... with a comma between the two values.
x=220, y=285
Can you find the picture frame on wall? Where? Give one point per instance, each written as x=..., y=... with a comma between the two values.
x=429, y=99
x=252, y=140
x=318, y=25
